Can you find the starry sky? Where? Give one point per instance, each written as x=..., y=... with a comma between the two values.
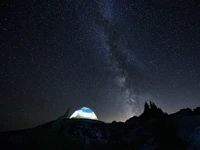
x=108, y=55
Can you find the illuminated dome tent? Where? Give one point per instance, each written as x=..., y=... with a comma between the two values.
x=84, y=113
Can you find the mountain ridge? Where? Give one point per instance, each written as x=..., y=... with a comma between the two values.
x=153, y=129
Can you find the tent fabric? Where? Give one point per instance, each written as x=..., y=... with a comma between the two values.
x=84, y=113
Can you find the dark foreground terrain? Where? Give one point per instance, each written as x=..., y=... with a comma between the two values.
x=152, y=130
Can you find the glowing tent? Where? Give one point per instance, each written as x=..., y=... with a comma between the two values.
x=84, y=113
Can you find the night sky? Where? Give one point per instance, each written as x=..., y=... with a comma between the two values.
x=108, y=55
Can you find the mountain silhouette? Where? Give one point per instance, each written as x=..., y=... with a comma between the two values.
x=152, y=130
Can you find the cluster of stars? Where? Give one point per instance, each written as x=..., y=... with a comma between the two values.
x=56, y=55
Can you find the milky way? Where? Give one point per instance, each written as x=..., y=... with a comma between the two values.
x=127, y=72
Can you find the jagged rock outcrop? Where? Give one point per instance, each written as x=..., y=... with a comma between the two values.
x=152, y=111
x=197, y=111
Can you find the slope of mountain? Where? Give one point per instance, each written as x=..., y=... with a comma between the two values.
x=152, y=130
